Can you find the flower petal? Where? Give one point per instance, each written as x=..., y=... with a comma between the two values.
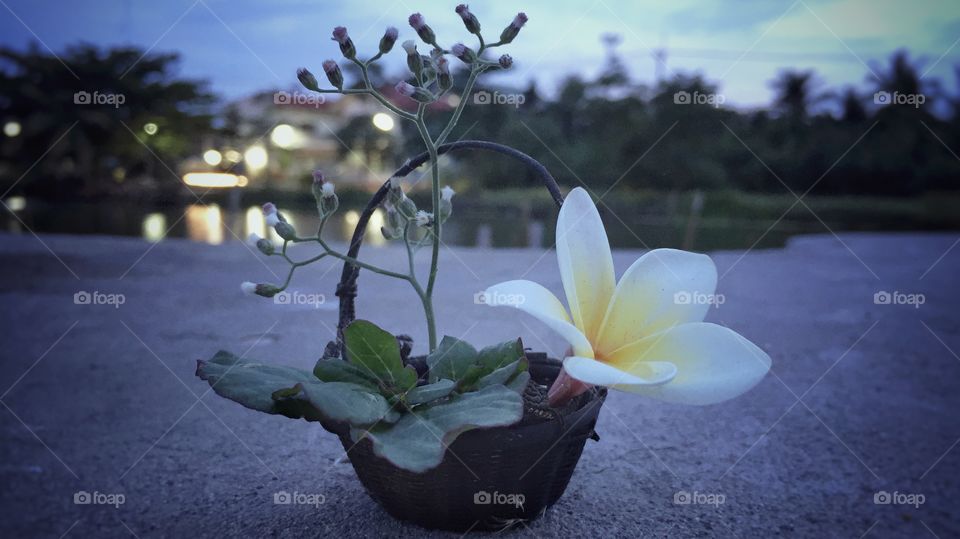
x=644, y=374
x=663, y=288
x=536, y=300
x=586, y=265
x=713, y=363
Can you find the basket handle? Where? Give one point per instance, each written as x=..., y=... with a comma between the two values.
x=347, y=288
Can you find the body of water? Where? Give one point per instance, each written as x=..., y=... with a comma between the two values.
x=486, y=227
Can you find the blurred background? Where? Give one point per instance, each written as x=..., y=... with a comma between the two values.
x=703, y=125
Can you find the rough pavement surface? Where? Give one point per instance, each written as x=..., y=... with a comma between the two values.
x=862, y=398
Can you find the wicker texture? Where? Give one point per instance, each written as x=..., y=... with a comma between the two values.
x=534, y=458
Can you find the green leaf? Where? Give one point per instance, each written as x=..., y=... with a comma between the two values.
x=251, y=384
x=508, y=356
x=350, y=403
x=451, y=359
x=337, y=370
x=469, y=379
x=406, y=379
x=294, y=393
x=519, y=382
x=500, y=355
x=418, y=440
x=427, y=393
x=374, y=351
x=499, y=376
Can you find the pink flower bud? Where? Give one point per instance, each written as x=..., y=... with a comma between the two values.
x=334, y=75
x=307, y=79
x=420, y=25
x=417, y=21
x=469, y=19
x=340, y=35
x=464, y=53
x=388, y=39
x=511, y=31
x=405, y=88
x=346, y=44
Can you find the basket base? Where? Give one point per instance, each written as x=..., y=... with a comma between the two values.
x=489, y=479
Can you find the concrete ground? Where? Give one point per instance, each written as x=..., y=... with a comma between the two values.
x=862, y=398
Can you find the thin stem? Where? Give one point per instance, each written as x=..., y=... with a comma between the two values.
x=295, y=265
x=467, y=89
x=332, y=252
x=425, y=299
x=348, y=91
x=370, y=90
x=410, y=251
x=434, y=147
x=358, y=263
x=435, y=228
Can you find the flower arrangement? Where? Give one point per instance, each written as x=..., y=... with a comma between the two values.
x=426, y=434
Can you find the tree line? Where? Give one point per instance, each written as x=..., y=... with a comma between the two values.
x=900, y=136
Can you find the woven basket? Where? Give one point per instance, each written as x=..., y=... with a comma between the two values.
x=490, y=478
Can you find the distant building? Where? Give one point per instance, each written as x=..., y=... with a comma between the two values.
x=276, y=139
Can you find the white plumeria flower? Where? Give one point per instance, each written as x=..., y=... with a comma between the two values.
x=327, y=190
x=248, y=288
x=639, y=335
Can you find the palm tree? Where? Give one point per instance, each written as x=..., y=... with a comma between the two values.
x=795, y=93
x=88, y=110
x=851, y=104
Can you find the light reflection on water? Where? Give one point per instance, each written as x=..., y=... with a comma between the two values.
x=478, y=226
x=253, y=222
x=154, y=227
x=207, y=223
